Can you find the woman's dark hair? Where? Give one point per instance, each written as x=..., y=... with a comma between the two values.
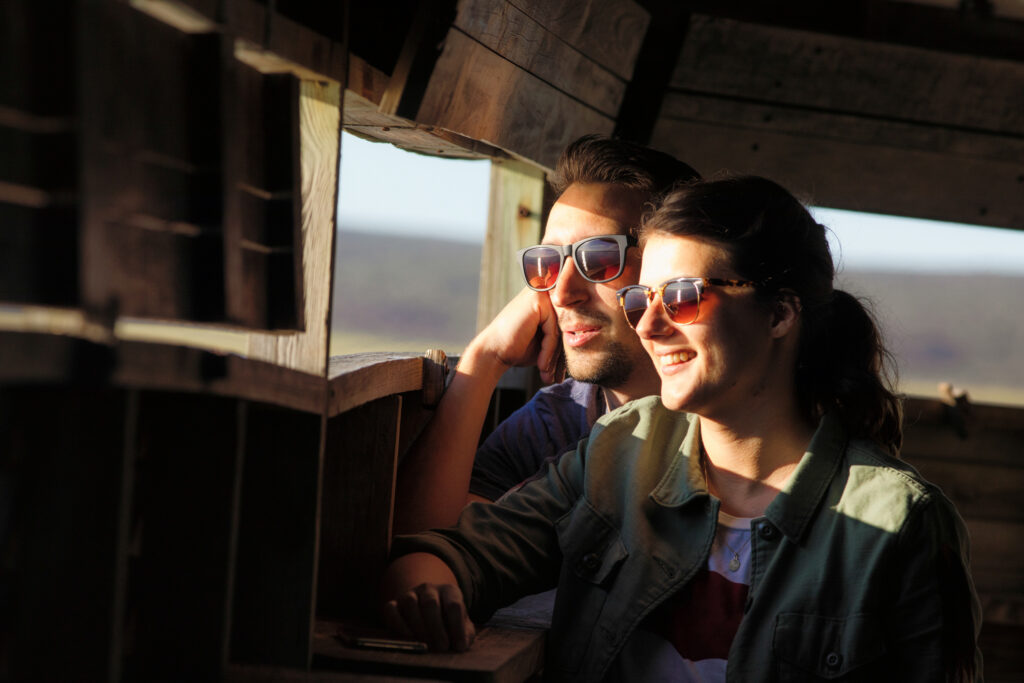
x=842, y=365
x=600, y=159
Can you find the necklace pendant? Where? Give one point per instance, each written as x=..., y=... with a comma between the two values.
x=734, y=563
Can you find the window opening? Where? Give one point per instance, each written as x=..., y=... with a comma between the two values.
x=949, y=296
x=408, y=249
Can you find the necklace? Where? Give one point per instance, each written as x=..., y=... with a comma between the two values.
x=734, y=562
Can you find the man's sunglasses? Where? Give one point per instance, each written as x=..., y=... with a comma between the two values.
x=680, y=297
x=598, y=259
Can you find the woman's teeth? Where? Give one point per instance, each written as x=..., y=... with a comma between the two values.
x=678, y=357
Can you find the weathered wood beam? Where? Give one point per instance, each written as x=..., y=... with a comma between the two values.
x=580, y=61
x=795, y=68
x=320, y=130
x=515, y=219
x=361, y=446
x=481, y=95
x=851, y=124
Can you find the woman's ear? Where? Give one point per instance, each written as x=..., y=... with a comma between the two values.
x=785, y=313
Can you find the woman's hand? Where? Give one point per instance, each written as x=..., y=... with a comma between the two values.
x=432, y=613
x=423, y=602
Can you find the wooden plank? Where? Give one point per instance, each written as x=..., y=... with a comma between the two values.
x=498, y=655
x=150, y=185
x=521, y=39
x=480, y=95
x=65, y=572
x=33, y=357
x=855, y=176
x=361, y=457
x=276, y=559
x=263, y=674
x=187, y=493
x=654, y=65
x=426, y=140
x=997, y=568
x=958, y=144
x=607, y=31
x=37, y=57
x=515, y=219
x=1004, y=658
x=979, y=491
x=850, y=76
x=262, y=200
x=39, y=255
x=362, y=117
x=37, y=151
x=320, y=131
x=363, y=377
x=416, y=59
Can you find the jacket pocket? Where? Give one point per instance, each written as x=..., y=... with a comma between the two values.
x=815, y=647
x=592, y=553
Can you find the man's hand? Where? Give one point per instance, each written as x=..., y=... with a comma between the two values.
x=524, y=333
x=432, y=613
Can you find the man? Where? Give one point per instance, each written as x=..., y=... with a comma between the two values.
x=569, y=306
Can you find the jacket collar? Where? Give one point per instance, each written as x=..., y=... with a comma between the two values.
x=793, y=508
x=683, y=479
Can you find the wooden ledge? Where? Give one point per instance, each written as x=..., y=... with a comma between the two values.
x=363, y=377
x=498, y=655
x=38, y=358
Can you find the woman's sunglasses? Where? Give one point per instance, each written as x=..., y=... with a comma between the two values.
x=679, y=296
x=598, y=259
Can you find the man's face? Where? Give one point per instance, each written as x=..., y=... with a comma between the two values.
x=600, y=347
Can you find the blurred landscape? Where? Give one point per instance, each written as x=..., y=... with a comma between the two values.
x=399, y=293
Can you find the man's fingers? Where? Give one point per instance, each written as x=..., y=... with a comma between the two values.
x=550, y=350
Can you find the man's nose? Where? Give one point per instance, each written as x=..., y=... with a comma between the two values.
x=570, y=287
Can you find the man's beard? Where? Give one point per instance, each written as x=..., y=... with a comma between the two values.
x=610, y=367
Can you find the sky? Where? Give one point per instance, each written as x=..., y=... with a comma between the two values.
x=390, y=190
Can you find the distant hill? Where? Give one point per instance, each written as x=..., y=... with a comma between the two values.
x=406, y=293
x=403, y=288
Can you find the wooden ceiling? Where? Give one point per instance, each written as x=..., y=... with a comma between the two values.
x=907, y=108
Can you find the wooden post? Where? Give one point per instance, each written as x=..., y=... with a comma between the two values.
x=320, y=131
x=515, y=220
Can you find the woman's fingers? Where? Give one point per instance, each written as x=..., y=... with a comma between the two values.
x=460, y=628
x=435, y=614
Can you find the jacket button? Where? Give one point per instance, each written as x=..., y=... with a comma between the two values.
x=591, y=561
x=767, y=531
x=833, y=660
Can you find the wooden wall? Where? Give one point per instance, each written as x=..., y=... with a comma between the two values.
x=167, y=160
x=851, y=123
x=975, y=453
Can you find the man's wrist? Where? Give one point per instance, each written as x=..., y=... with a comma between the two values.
x=477, y=361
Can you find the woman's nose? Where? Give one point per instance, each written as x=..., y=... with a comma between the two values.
x=651, y=323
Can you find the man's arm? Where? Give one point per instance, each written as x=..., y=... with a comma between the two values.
x=433, y=480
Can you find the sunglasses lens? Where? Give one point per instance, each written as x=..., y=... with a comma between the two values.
x=540, y=267
x=634, y=303
x=680, y=300
x=599, y=260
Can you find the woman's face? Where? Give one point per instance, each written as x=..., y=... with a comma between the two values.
x=723, y=361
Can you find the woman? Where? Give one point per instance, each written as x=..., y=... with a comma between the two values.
x=752, y=523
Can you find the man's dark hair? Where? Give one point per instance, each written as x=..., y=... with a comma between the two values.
x=600, y=159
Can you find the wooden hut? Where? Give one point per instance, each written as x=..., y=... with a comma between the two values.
x=168, y=512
